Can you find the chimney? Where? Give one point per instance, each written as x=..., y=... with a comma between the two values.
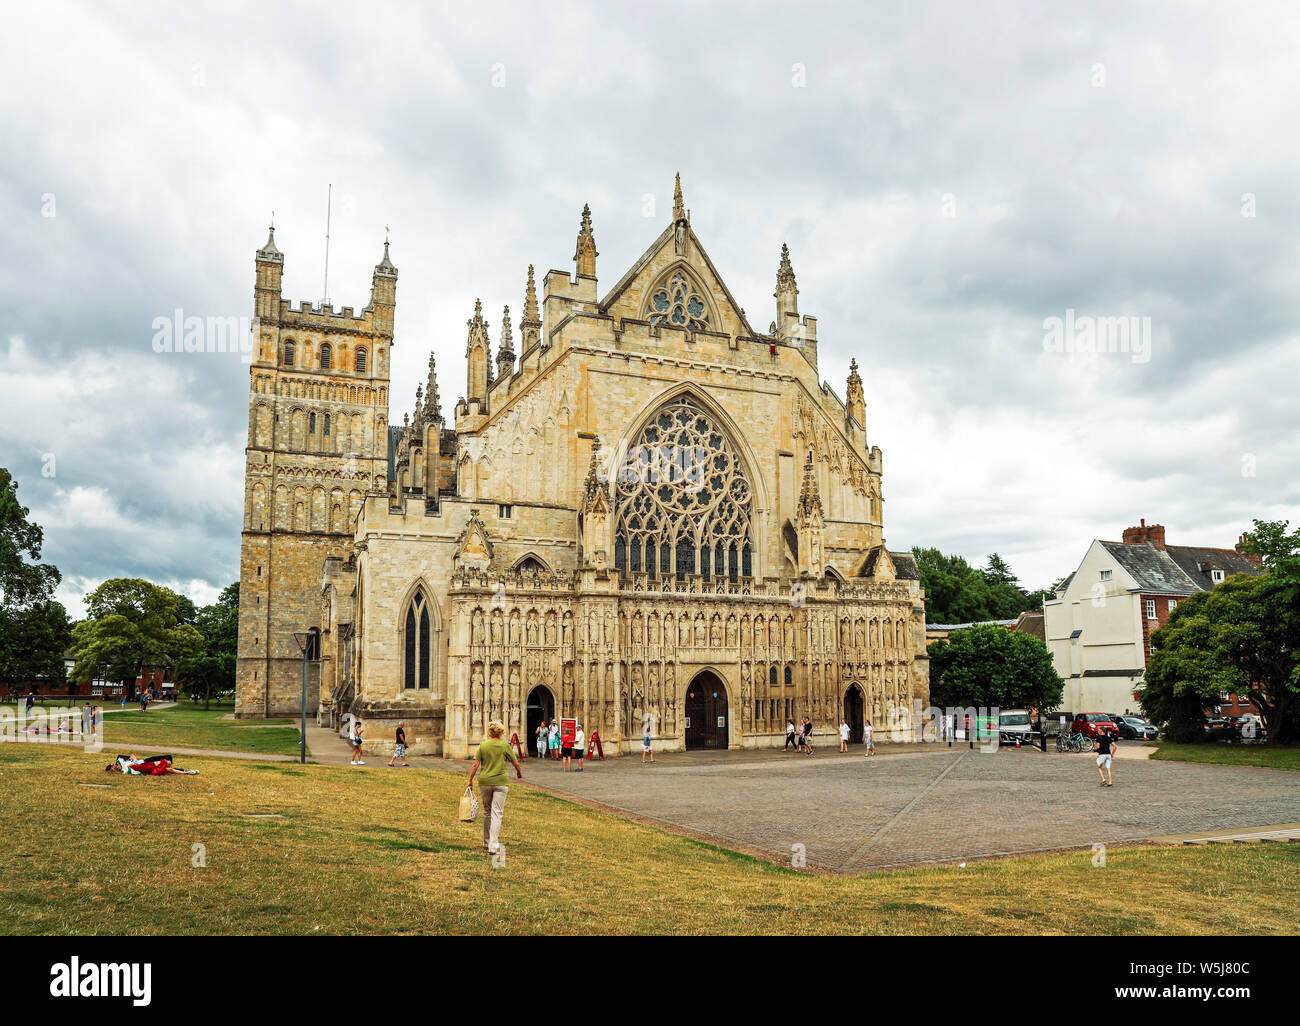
x=1240, y=549
x=1155, y=534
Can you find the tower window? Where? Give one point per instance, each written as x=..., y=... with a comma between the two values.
x=416, y=644
x=311, y=423
x=325, y=356
x=505, y=512
x=288, y=354
x=327, y=423
x=361, y=361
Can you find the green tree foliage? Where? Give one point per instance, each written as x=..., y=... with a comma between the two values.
x=212, y=669
x=32, y=643
x=34, y=629
x=956, y=592
x=1243, y=638
x=131, y=623
x=24, y=580
x=988, y=665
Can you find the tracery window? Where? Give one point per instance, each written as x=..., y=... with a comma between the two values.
x=683, y=500
x=678, y=303
x=416, y=644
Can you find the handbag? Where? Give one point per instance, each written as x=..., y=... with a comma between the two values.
x=468, y=806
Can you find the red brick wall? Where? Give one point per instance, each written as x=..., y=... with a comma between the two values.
x=1149, y=627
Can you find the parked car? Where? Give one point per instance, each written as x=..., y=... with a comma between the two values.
x=1217, y=728
x=1093, y=723
x=1014, y=727
x=1135, y=728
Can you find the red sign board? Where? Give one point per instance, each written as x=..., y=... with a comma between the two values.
x=568, y=731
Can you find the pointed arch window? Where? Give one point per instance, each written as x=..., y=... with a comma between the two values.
x=417, y=644
x=683, y=495
x=679, y=303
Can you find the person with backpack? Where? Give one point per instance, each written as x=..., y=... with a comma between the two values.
x=356, y=744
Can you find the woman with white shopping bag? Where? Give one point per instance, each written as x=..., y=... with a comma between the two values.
x=492, y=756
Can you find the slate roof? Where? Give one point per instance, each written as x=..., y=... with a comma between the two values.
x=1191, y=558
x=1151, y=568
x=1031, y=623
x=905, y=566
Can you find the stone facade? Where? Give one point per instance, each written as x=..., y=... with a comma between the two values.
x=657, y=518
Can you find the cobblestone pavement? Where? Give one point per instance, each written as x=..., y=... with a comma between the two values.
x=930, y=805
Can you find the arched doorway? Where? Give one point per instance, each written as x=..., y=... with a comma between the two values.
x=541, y=708
x=706, y=712
x=853, y=711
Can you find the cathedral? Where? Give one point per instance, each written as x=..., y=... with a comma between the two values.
x=644, y=513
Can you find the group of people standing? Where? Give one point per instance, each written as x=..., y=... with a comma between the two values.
x=551, y=744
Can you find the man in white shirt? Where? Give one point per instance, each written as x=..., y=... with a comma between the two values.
x=579, y=746
x=844, y=736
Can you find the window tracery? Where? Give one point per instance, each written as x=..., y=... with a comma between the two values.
x=678, y=303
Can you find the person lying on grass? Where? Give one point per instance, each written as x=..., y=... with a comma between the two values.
x=153, y=766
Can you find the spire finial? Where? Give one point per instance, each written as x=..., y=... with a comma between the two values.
x=432, y=407
x=530, y=325
x=584, y=254
x=679, y=209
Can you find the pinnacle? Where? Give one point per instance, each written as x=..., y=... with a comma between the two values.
x=679, y=210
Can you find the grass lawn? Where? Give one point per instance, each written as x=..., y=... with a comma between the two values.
x=191, y=726
x=1281, y=757
x=322, y=849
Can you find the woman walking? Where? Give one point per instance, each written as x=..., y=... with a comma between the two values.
x=492, y=756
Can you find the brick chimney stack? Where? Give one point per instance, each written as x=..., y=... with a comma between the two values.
x=1240, y=549
x=1155, y=534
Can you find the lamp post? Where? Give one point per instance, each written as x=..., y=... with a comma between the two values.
x=303, y=639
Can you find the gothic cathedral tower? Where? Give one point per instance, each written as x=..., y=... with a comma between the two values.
x=317, y=446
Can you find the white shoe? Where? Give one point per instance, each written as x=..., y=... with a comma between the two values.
x=353, y=762
x=360, y=762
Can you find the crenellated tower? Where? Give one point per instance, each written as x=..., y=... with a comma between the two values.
x=317, y=446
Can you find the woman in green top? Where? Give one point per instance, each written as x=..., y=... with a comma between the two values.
x=492, y=756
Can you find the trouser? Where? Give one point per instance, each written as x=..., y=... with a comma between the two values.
x=493, y=800
x=790, y=740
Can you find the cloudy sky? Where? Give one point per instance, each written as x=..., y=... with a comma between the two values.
x=947, y=182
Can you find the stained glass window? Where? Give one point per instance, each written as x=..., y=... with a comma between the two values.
x=678, y=303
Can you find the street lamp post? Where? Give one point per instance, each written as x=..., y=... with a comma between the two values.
x=304, y=641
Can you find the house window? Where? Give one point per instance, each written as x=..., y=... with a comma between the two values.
x=325, y=356
x=1151, y=649
x=1216, y=576
x=1106, y=575
x=505, y=512
x=1173, y=604
x=361, y=361
x=1151, y=609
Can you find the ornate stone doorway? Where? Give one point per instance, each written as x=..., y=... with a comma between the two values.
x=541, y=706
x=853, y=708
x=707, y=716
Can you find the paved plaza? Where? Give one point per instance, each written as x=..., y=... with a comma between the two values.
x=933, y=805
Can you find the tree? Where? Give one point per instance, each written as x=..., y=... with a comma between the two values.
x=213, y=668
x=32, y=643
x=1243, y=638
x=987, y=665
x=34, y=629
x=22, y=583
x=131, y=623
x=956, y=592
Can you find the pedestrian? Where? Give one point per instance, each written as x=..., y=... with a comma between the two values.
x=970, y=740
x=553, y=739
x=579, y=746
x=30, y=701
x=844, y=736
x=399, y=747
x=1038, y=729
x=356, y=744
x=87, y=719
x=789, y=736
x=541, y=740
x=645, y=742
x=869, y=736
x=1105, y=742
x=807, y=736
x=492, y=756
x=124, y=701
